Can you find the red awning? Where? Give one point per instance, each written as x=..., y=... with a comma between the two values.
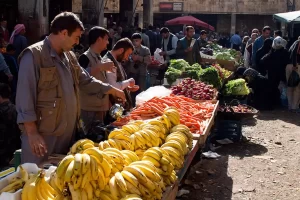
x=189, y=20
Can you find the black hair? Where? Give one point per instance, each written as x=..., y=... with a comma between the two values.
x=164, y=30
x=143, y=30
x=139, y=29
x=66, y=20
x=188, y=28
x=124, y=43
x=10, y=47
x=203, y=32
x=97, y=32
x=5, y=91
x=136, y=36
x=278, y=33
x=237, y=32
x=266, y=28
x=150, y=27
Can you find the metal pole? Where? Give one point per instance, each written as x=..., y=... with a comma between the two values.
x=134, y=12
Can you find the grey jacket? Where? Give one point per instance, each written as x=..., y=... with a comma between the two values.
x=140, y=67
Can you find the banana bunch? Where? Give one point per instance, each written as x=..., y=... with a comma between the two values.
x=38, y=188
x=16, y=183
x=139, y=180
x=118, y=139
x=117, y=160
x=81, y=145
x=170, y=179
x=130, y=157
x=184, y=129
x=173, y=116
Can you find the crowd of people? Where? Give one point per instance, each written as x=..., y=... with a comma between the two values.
x=58, y=93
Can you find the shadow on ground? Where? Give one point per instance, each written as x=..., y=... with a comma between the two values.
x=284, y=115
x=208, y=179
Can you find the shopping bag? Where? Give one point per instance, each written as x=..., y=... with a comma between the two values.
x=294, y=79
x=158, y=57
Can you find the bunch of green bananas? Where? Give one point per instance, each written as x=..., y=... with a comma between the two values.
x=17, y=182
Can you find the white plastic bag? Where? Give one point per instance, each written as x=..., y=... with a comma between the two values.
x=156, y=91
x=158, y=57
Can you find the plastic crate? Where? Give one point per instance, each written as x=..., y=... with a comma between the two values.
x=228, y=129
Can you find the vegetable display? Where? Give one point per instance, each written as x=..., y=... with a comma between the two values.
x=172, y=74
x=194, y=89
x=210, y=76
x=179, y=64
x=236, y=87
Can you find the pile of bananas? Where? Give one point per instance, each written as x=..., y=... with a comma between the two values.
x=17, y=182
x=38, y=188
x=139, y=178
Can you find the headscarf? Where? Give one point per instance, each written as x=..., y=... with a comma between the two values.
x=279, y=43
x=18, y=28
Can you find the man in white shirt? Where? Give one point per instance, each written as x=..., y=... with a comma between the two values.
x=169, y=44
x=118, y=77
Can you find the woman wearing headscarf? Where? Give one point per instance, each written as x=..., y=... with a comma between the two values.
x=18, y=39
x=275, y=63
x=248, y=50
x=293, y=93
x=266, y=48
x=258, y=84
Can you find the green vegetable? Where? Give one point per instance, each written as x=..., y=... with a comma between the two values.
x=224, y=56
x=179, y=64
x=236, y=87
x=210, y=76
x=172, y=74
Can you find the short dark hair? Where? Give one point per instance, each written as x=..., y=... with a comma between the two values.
x=66, y=20
x=266, y=28
x=139, y=29
x=10, y=47
x=136, y=36
x=237, y=32
x=164, y=30
x=150, y=27
x=203, y=32
x=5, y=91
x=97, y=32
x=188, y=28
x=144, y=30
x=124, y=43
x=278, y=32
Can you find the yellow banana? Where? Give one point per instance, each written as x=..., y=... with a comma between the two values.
x=84, y=195
x=133, y=189
x=122, y=137
x=106, y=167
x=132, y=197
x=95, y=152
x=78, y=146
x=116, y=132
x=18, y=184
x=145, y=192
x=78, y=164
x=101, y=179
x=75, y=193
x=104, y=195
x=140, y=138
x=155, y=162
x=89, y=190
x=93, y=168
x=24, y=173
x=152, y=175
x=120, y=181
x=176, y=145
x=139, y=174
x=114, y=189
x=114, y=144
x=77, y=180
x=131, y=155
x=153, y=154
x=85, y=163
x=86, y=178
x=69, y=172
x=132, y=142
x=29, y=190
x=130, y=178
x=63, y=165
x=145, y=163
x=126, y=145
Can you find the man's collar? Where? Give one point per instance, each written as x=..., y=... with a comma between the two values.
x=94, y=54
x=53, y=53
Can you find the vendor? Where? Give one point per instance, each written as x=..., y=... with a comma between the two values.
x=259, y=86
x=186, y=47
x=137, y=67
x=48, y=91
x=168, y=45
x=93, y=107
x=118, y=77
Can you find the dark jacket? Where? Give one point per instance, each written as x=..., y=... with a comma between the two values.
x=169, y=46
x=182, y=45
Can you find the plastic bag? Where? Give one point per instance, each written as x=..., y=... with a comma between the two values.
x=294, y=79
x=158, y=57
x=156, y=91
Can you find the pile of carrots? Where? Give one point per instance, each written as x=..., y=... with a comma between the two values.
x=195, y=115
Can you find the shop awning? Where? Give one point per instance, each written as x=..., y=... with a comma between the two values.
x=288, y=17
x=189, y=20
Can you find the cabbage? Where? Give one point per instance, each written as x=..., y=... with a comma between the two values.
x=224, y=56
x=236, y=87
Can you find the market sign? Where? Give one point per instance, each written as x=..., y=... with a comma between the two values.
x=171, y=6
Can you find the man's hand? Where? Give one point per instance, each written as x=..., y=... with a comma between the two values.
x=37, y=144
x=10, y=77
x=163, y=53
x=135, y=57
x=189, y=49
x=131, y=82
x=119, y=94
x=107, y=66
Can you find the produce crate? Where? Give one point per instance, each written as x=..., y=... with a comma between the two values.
x=228, y=129
x=207, y=58
x=229, y=65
